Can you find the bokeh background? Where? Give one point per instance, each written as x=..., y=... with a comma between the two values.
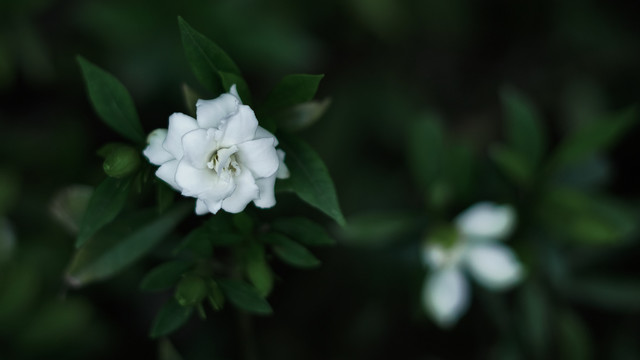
x=387, y=63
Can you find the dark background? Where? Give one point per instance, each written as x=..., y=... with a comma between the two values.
x=386, y=64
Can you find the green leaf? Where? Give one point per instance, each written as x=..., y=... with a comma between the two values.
x=303, y=230
x=524, y=128
x=257, y=269
x=166, y=350
x=170, y=318
x=291, y=90
x=198, y=242
x=105, y=204
x=290, y=251
x=595, y=137
x=245, y=296
x=212, y=66
x=112, y=101
x=426, y=150
x=70, y=204
x=574, y=341
x=511, y=164
x=310, y=178
x=122, y=243
x=610, y=293
x=379, y=228
x=191, y=290
x=534, y=319
x=587, y=218
x=301, y=116
x=164, y=276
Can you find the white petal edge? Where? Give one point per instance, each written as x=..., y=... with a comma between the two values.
x=154, y=151
x=179, y=124
x=167, y=173
x=445, y=296
x=201, y=207
x=283, y=170
x=267, y=197
x=245, y=192
x=493, y=265
x=259, y=156
x=239, y=128
x=211, y=113
x=262, y=133
x=486, y=221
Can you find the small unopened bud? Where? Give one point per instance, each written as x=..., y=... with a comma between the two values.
x=119, y=160
x=191, y=290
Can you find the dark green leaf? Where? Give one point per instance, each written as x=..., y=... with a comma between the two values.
x=574, y=342
x=524, y=128
x=380, y=227
x=301, y=116
x=291, y=90
x=310, y=178
x=165, y=196
x=198, y=241
x=112, y=101
x=426, y=150
x=303, y=230
x=170, y=317
x=594, y=138
x=191, y=290
x=257, y=269
x=245, y=296
x=212, y=66
x=166, y=351
x=611, y=293
x=511, y=163
x=164, y=276
x=291, y=252
x=534, y=319
x=105, y=204
x=122, y=243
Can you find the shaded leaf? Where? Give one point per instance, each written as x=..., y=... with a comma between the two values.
x=164, y=276
x=257, y=269
x=170, y=318
x=379, y=228
x=524, y=128
x=303, y=230
x=593, y=138
x=166, y=351
x=290, y=251
x=112, y=101
x=426, y=150
x=105, y=204
x=212, y=66
x=122, y=243
x=291, y=90
x=611, y=293
x=301, y=116
x=574, y=342
x=310, y=178
x=511, y=164
x=245, y=296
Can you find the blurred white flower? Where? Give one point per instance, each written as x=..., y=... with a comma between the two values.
x=222, y=158
x=476, y=250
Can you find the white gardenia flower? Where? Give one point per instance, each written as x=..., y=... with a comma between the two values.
x=477, y=251
x=223, y=158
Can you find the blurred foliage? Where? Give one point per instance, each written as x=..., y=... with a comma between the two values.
x=500, y=89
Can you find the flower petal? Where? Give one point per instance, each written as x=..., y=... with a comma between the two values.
x=201, y=207
x=259, y=156
x=283, y=170
x=246, y=191
x=234, y=91
x=445, y=296
x=198, y=146
x=202, y=183
x=486, y=221
x=179, y=124
x=262, y=133
x=167, y=172
x=493, y=265
x=240, y=127
x=266, y=195
x=154, y=151
x=210, y=113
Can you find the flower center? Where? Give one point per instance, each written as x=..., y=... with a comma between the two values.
x=223, y=161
